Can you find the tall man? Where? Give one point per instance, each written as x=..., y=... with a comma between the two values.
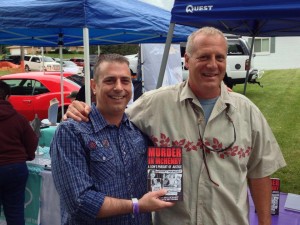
x=227, y=143
x=100, y=167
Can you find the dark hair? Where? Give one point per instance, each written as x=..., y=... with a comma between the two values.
x=107, y=58
x=4, y=90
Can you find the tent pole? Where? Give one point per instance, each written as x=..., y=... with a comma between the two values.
x=87, y=76
x=139, y=71
x=250, y=57
x=165, y=55
x=43, y=66
x=61, y=81
x=99, y=50
x=22, y=65
x=60, y=44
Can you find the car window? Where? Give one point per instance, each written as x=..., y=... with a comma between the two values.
x=235, y=49
x=26, y=87
x=13, y=83
x=79, y=80
x=20, y=86
x=15, y=58
x=39, y=88
x=75, y=80
x=48, y=59
x=69, y=63
x=26, y=58
x=35, y=59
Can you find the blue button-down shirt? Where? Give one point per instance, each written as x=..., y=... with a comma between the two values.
x=91, y=160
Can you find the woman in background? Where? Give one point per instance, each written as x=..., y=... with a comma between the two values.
x=18, y=144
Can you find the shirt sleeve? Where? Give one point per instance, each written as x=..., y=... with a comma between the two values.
x=266, y=157
x=136, y=112
x=70, y=169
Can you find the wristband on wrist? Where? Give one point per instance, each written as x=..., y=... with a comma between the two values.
x=135, y=206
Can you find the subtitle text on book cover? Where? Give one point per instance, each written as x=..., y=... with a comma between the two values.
x=165, y=171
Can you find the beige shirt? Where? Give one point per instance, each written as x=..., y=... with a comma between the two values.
x=173, y=116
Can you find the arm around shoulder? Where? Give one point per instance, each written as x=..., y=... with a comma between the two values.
x=78, y=111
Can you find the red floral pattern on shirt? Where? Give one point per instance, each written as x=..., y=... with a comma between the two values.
x=234, y=151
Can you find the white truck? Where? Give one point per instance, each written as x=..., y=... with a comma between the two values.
x=36, y=62
x=237, y=63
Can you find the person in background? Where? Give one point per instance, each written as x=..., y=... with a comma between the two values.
x=81, y=95
x=18, y=145
x=227, y=143
x=72, y=95
x=100, y=167
x=132, y=96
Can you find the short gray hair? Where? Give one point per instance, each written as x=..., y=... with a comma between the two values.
x=204, y=30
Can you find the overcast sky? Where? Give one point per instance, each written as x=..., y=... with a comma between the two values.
x=165, y=4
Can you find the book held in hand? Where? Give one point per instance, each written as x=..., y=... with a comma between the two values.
x=165, y=171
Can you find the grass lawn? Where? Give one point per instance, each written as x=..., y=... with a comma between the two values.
x=4, y=72
x=279, y=100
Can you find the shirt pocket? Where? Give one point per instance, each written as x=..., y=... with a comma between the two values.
x=102, y=164
x=140, y=147
x=140, y=155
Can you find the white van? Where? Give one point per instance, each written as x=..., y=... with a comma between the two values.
x=35, y=62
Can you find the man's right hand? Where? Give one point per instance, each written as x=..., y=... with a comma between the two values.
x=78, y=111
x=151, y=202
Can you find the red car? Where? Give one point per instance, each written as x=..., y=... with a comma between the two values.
x=31, y=92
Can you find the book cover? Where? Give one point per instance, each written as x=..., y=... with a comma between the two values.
x=165, y=171
x=292, y=202
x=275, y=196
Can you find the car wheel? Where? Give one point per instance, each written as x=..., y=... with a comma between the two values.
x=27, y=68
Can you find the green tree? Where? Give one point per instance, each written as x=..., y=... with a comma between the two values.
x=3, y=49
x=124, y=49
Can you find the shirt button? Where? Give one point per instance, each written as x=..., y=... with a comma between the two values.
x=104, y=158
x=128, y=174
x=124, y=153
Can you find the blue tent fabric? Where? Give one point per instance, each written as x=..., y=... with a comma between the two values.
x=264, y=18
x=249, y=18
x=39, y=23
